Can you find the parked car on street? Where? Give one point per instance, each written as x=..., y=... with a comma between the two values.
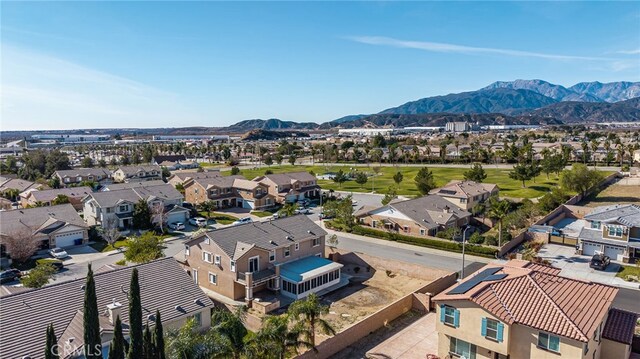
x=9, y=275
x=198, y=221
x=58, y=253
x=302, y=210
x=243, y=221
x=599, y=262
x=177, y=226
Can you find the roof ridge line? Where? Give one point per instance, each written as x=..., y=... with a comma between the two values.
x=501, y=302
x=553, y=303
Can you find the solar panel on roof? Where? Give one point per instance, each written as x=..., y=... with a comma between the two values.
x=474, y=281
x=494, y=277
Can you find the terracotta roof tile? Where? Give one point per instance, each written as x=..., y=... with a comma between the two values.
x=535, y=296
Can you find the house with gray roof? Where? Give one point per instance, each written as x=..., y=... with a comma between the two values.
x=137, y=173
x=76, y=175
x=165, y=287
x=54, y=226
x=466, y=194
x=290, y=186
x=612, y=230
x=18, y=185
x=32, y=198
x=115, y=207
x=284, y=255
x=422, y=216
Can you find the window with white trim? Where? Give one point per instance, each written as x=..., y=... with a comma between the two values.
x=207, y=257
x=316, y=242
x=287, y=251
x=492, y=329
x=206, y=240
x=422, y=232
x=461, y=348
x=615, y=231
x=213, y=279
x=272, y=256
x=216, y=259
x=549, y=342
x=233, y=266
x=450, y=315
x=187, y=250
x=297, y=247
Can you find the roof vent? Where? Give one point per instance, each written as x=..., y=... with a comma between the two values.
x=178, y=308
x=197, y=301
x=82, y=287
x=70, y=340
x=151, y=317
x=289, y=238
x=272, y=242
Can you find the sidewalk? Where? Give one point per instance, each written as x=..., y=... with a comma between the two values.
x=405, y=246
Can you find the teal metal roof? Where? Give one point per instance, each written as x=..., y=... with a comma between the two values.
x=296, y=270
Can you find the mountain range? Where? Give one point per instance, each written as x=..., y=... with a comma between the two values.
x=502, y=102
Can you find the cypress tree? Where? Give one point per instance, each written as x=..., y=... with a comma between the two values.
x=147, y=347
x=50, y=350
x=116, y=350
x=135, y=318
x=159, y=337
x=92, y=340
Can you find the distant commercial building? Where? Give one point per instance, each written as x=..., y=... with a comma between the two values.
x=509, y=127
x=458, y=127
x=64, y=138
x=191, y=138
x=366, y=131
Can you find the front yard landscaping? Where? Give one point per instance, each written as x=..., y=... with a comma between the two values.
x=628, y=273
x=262, y=213
x=221, y=218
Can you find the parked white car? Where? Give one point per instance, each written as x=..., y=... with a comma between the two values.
x=58, y=253
x=177, y=226
x=243, y=221
x=303, y=211
x=198, y=221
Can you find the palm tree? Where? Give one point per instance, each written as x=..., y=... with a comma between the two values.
x=277, y=338
x=309, y=312
x=594, y=149
x=498, y=210
x=230, y=327
x=621, y=151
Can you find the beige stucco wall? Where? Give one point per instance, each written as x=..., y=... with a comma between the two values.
x=611, y=349
x=414, y=228
x=469, y=330
x=525, y=346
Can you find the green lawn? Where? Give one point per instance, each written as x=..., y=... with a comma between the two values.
x=223, y=218
x=102, y=246
x=262, y=213
x=382, y=182
x=628, y=270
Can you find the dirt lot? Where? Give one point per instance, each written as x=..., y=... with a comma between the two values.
x=618, y=193
x=369, y=292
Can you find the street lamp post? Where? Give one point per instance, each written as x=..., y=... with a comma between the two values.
x=464, y=240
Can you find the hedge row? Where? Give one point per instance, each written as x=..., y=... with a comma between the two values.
x=445, y=245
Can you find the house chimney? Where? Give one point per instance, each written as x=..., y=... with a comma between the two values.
x=446, y=209
x=114, y=310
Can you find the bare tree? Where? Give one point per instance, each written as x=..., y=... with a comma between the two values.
x=159, y=215
x=109, y=231
x=20, y=244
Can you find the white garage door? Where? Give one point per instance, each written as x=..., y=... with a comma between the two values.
x=68, y=239
x=589, y=249
x=177, y=217
x=613, y=252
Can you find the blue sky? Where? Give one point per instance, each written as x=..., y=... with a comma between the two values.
x=168, y=64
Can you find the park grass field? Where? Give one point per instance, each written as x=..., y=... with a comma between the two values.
x=442, y=175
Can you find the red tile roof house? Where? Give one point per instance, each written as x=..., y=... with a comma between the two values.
x=523, y=310
x=164, y=286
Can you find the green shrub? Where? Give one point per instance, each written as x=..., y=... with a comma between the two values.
x=426, y=242
x=122, y=262
x=476, y=238
x=491, y=240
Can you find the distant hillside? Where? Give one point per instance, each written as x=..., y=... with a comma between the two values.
x=556, y=92
x=348, y=118
x=609, y=92
x=440, y=119
x=271, y=124
x=591, y=112
x=499, y=100
x=255, y=135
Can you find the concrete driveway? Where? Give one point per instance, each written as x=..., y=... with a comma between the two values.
x=413, y=342
x=577, y=266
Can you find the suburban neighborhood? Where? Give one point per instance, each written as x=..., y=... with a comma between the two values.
x=320, y=180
